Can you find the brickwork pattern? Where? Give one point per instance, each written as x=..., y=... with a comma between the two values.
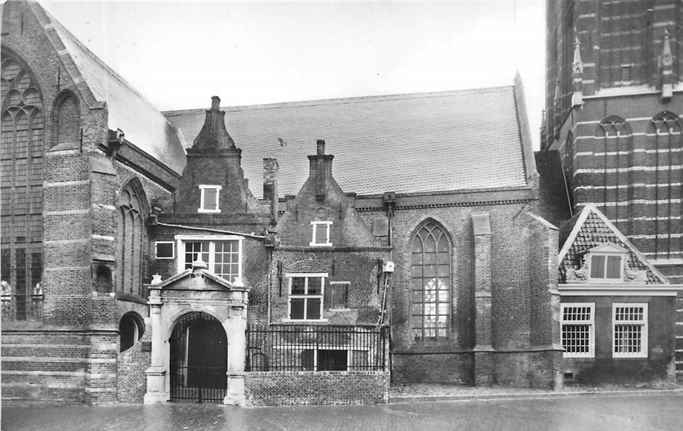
x=316, y=388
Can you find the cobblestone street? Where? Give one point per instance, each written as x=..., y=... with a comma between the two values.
x=600, y=412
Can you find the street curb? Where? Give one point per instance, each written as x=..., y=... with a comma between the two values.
x=403, y=399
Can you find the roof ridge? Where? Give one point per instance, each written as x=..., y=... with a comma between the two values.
x=343, y=100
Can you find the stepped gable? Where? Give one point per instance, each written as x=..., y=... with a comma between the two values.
x=451, y=140
x=143, y=124
x=590, y=228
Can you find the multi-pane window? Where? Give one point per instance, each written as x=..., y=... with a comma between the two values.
x=21, y=181
x=578, y=330
x=430, y=282
x=629, y=330
x=132, y=236
x=306, y=296
x=320, y=233
x=221, y=254
x=209, y=199
x=608, y=267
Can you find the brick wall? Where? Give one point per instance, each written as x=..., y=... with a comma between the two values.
x=603, y=368
x=270, y=388
x=132, y=381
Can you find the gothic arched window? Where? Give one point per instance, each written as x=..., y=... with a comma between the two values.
x=131, y=239
x=665, y=128
x=430, y=278
x=612, y=154
x=21, y=180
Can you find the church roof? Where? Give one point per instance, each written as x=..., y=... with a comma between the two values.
x=590, y=229
x=143, y=124
x=424, y=142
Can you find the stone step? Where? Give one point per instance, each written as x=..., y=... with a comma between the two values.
x=34, y=363
x=42, y=392
x=23, y=337
x=67, y=378
x=43, y=350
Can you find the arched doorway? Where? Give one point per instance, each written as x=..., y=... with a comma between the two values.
x=199, y=357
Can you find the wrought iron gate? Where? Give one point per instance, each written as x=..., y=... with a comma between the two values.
x=198, y=359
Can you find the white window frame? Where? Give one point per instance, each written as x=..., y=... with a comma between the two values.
x=180, y=247
x=606, y=255
x=348, y=288
x=591, y=328
x=202, y=208
x=307, y=275
x=156, y=256
x=643, y=334
x=315, y=242
x=315, y=350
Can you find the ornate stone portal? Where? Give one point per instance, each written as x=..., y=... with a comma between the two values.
x=196, y=290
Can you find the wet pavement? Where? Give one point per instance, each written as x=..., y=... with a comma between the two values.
x=592, y=412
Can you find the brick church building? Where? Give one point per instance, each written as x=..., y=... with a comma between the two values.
x=611, y=155
x=291, y=253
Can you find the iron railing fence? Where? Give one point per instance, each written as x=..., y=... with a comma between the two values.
x=316, y=348
x=200, y=384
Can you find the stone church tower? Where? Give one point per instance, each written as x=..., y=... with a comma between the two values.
x=612, y=113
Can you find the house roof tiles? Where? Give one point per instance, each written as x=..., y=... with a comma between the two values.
x=454, y=140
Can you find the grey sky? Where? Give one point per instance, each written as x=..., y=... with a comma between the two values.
x=180, y=53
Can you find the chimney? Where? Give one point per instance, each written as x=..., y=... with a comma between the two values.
x=270, y=171
x=320, y=169
x=213, y=135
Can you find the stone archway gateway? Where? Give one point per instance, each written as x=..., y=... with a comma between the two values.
x=198, y=338
x=198, y=355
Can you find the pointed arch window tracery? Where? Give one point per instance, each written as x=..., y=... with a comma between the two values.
x=430, y=281
x=21, y=181
x=131, y=240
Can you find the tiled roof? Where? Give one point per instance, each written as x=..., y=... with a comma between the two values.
x=128, y=110
x=424, y=142
x=588, y=229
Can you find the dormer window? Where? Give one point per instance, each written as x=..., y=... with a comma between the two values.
x=606, y=263
x=320, y=233
x=209, y=199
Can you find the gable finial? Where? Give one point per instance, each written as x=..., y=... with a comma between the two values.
x=666, y=68
x=577, y=74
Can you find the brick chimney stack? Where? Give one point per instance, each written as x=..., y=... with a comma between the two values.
x=270, y=189
x=320, y=169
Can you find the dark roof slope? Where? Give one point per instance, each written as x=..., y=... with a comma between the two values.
x=455, y=140
x=128, y=110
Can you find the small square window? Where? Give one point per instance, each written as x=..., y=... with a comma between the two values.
x=606, y=267
x=164, y=250
x=209, y=200
x=321, y=233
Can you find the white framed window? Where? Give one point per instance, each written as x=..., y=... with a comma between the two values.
x=339, y=295
x=320, y=233
x=606, y=263
x=578, y=329
x=164, y=250
x=325, y=359
x=629, y=330
x=209, y=200
x=221, y=253
x=306, y=296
